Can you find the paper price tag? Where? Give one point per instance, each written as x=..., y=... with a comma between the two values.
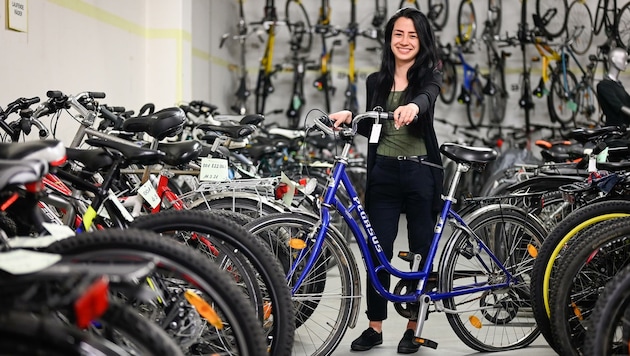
x=376, y=133
x=149, y=194
x=213, y=170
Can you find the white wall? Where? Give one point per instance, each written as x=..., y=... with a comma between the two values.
x=167, y=51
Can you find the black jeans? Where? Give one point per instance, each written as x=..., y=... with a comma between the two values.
x=398, y=187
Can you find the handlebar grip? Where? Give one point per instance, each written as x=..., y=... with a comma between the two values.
x=54, y=94
x=31, y=101
x=96, y=95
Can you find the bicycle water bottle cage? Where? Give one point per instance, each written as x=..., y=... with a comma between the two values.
x=540, y=90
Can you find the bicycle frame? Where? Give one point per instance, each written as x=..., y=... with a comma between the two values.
x=469, y=75
x=338, y=177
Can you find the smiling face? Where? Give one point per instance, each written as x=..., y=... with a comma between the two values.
x=405, y=43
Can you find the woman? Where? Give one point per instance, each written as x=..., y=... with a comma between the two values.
x=404, y=164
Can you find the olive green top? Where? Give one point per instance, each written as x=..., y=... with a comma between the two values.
x=399, y=142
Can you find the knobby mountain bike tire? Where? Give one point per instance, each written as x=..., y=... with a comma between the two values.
x=178, y=269
x=553, y=14
x=328, y=301
x=494, y=320
x=234, y=242
x=544, y=264
x=584, y=269
x=608, y=331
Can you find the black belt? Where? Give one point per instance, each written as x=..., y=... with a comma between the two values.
x=416, y=159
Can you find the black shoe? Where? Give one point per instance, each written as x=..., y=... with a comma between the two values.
x=406, y=345
x=368, y=339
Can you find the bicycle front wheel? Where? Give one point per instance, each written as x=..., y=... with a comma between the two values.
x=580, y=26
x=327, y=303
x=466, y=21
x=553, y=16
x=622, y=27
x=438, y=13
x=496, y=319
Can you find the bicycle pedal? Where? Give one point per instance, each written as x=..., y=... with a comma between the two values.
x=406, y=256
x=426, y=342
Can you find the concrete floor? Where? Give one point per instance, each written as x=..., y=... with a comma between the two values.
x=436, y=328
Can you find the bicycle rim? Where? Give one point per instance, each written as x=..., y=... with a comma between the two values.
x=498, y=102
x=560, y=102
x=622, y=26
x=579, y=21
x=326, y=302
x=449, y=81
x=494, y=320
x=466, y=21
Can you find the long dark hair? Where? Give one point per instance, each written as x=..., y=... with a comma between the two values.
x=423, y=65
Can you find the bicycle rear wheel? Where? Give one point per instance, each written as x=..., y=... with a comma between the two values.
x=466, y=21
x=622, y=27
x=476, y=108
x=438, y=13
x=553, y=16
x=179, y=269
x=580, y=25
x=584, y=269
x=600, y=13
x=327, y=302
x=297, y=20
x=497, y=102
x=560, y=101
x=608, y=331
x=497, y=319
x=449, y=81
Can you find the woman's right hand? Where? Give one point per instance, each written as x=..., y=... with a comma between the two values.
x=341, y=117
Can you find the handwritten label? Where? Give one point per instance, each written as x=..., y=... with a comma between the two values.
x=149, y=194
x=17, y=14
x=213, y=170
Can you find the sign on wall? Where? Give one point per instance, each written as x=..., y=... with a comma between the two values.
x=17, y=15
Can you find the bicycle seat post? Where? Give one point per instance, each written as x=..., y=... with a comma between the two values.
x=461, y=169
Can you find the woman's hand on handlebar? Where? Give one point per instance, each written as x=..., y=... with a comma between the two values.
x=405, y=114
x=341, y=117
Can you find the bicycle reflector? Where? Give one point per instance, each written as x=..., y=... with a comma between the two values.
x=92, y=304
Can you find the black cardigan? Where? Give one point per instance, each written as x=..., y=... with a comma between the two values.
x=426, y=102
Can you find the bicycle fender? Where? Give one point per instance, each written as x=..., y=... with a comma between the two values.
x=543, y=183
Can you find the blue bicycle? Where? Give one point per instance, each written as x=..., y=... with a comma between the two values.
x=472, y=90
x=481, y=283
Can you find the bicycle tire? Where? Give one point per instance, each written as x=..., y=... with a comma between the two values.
x=228, y=235
x=600, y=253
x=466, y=22
x=514, y=301
x=495, y=14
x=497, y=103
x=144, y=333
x=296, y=13
x=560, y=102
x=600, y=14
x=184, y=265
x=448, y=89
x=338, y=304
x=546, y=256
x=579, y=15
x=28, y=334
x=557, y=23
x=476, y=107
x=609, y=315
x=587, y=103
x=438, y=13
x=622, y=27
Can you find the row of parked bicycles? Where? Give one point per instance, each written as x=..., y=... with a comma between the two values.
x=227, y=235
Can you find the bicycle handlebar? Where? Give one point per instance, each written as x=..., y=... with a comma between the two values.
x=324, y=123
